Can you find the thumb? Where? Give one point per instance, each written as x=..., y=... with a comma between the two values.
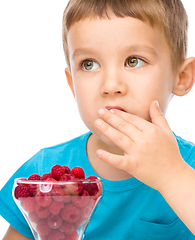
x=157, y=116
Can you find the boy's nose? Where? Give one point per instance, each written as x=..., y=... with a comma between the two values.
x=113, y=85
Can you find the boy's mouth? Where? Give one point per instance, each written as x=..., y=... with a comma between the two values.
x=115, y=107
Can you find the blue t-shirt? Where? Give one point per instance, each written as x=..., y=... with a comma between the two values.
x=129, y=209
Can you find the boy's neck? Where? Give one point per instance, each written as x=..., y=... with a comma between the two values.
x=102, y=168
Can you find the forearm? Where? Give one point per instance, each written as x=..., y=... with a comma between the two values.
x=180, y=195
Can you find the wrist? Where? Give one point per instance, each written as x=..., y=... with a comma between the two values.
x=180, y=196
x=175, y=178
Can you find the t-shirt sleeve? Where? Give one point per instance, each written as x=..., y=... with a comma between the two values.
x=8, y=208
x=187, y=150
x=191, y=160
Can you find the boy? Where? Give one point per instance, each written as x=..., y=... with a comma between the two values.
x=125, y=58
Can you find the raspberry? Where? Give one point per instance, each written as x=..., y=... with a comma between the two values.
x=29, y=204
x=34, y=177
x=57, y=171
x=67, y=169
x=55, y=207
x=54, y=221
x=72, y=236
x=92, y=178
x=91, y=187
x=21, y=191
x=56, y=235
x=70, y=213
x=32, y=189
x=45, y=176
x=65, y=177
x=78, y=172
x=68, y=228
x=42, y=227
x=42, y=212
x=43, y=200
x=82, y=200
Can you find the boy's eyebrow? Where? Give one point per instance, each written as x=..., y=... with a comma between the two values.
x=131, y=48
x=81, y=51
x=140, y=48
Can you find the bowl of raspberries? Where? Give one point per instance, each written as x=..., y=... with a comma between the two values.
x=58, y=205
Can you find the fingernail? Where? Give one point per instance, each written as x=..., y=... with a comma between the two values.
x=157, y=104
x=99, y=153
x=101, y=111
x=98, y=122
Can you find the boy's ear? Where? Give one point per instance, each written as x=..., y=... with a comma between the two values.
x=69, y=80
x=185, y=78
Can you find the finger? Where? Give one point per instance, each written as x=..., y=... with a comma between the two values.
x=157, y=116
x=138, y=122
x=120, y=124
x=117, y=161
x=116, y=137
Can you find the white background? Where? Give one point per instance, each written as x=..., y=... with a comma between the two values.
x=37, y=108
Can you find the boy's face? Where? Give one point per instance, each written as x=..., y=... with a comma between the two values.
x=118, y=63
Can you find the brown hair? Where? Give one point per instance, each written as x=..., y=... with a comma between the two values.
x=169, y=15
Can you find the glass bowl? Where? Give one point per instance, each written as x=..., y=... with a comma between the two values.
x=57, y=210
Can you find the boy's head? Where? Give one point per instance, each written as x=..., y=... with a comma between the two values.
x=168, y=15
x=124, y=54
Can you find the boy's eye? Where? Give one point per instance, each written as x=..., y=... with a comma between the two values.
x=134, y=62
x=89, y=65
